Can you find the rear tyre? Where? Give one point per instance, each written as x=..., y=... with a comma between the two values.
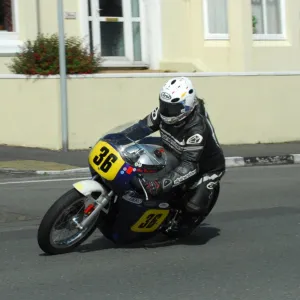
x=68, y=206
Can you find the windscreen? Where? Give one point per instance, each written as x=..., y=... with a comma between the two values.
x=133, y=152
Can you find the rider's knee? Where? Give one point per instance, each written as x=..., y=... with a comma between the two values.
x=199, y=203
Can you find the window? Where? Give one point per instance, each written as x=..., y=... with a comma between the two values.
x=9, y=42
x=215, y=19
x=6, y=21
x=268, y=19
x=116, y=29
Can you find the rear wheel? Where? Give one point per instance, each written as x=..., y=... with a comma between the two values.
x=69, y=209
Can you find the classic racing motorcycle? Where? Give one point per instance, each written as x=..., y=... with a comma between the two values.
x=113, y=199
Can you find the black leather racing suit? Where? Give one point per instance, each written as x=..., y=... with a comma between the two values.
x=195, y=144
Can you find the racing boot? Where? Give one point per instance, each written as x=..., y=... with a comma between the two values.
x=185, y=224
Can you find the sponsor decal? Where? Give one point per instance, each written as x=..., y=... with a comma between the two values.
x=138, y=164
x=211, y=185
x=171, y=143
x=195, y=139
x=182, y=95
x=206, y=178
x=163, y=205
x=154, y=114
x=165, y=96
x=131, y=170
x=132, y=199
x=182, y=178
x=128, y=170
x=149, y=171
x=166, y=182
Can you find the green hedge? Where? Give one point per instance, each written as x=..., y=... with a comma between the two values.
x=41, y=57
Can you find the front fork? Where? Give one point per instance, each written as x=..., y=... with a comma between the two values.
x=86, y=188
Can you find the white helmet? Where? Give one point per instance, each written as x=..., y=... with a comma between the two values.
x=177, y=99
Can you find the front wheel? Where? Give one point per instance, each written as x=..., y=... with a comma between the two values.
x=62, y=216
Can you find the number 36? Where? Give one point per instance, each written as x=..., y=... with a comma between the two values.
x=107, y=163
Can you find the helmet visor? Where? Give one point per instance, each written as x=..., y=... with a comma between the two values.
x=168, y=109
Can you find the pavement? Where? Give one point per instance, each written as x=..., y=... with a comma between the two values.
x=248, y=248
x=43, y=161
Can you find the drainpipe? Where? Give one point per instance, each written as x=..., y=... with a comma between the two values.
x=63, y=75
x=38, y=15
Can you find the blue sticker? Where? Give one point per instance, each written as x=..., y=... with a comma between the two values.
x=187, y=108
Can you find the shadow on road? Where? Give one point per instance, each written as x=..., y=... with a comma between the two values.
x=199, y=237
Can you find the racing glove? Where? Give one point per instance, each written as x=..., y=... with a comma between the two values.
x=153, y=187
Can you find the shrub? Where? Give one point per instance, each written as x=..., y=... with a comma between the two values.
x=41, y=57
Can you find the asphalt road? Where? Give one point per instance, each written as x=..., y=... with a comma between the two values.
x=248, y=249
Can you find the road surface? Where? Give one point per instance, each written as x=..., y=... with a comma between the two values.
x=248, y=249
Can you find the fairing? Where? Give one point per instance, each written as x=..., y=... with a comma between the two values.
x=132, y=152
x=127, y=159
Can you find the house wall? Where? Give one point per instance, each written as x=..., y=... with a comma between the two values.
x=186, y=49
x=244, y=108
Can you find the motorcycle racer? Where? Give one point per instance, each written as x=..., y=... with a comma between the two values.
x=187, y=132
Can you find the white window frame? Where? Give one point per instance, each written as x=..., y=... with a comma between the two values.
x=268, y=36
x=128, y=60
x=9, y=41
x=207, y=34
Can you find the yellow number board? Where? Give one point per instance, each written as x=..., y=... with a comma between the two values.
x=105, y=160
x=150, y=220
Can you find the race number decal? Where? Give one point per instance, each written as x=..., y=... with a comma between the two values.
x=105, y=160
x=150, y=220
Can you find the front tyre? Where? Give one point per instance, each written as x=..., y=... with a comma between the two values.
x=60, y=217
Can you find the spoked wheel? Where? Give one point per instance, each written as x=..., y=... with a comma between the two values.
x=58, y=232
